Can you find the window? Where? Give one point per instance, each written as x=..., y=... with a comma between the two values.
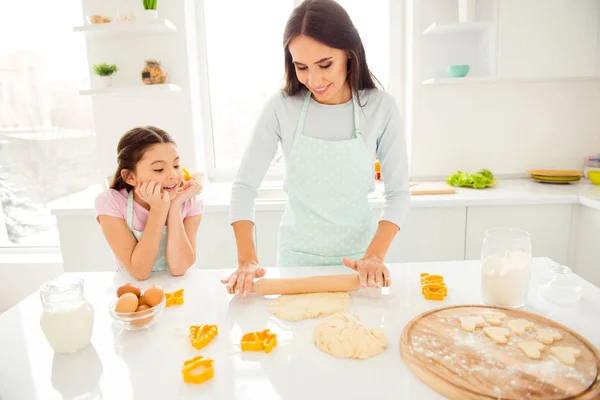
x=245, y=67
x=47, y=141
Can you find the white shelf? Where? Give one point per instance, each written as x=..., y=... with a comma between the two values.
x=134, y=28
x=491, y=79
x=132, y=90
x=465, y=27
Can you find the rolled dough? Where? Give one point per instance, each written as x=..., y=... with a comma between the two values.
x=296, y=307
x=343, y=335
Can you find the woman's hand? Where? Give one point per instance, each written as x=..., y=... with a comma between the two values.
x=151, y=193
x=240, y=282
x=371, y=270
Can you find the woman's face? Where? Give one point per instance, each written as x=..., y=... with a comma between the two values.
x=322, y=69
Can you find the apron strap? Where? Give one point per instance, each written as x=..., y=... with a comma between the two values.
x=130, y=210
x=355, y=108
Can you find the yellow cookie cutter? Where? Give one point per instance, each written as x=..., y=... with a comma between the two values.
x=428, y=278
x=201, y=335
x=259, y=341
x=186, y=174
x=174, y=298
x=190, y=366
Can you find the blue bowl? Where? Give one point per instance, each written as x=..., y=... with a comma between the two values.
x=457, y=71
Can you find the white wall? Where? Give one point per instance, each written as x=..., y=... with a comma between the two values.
x=175, y=112
x=506, y=126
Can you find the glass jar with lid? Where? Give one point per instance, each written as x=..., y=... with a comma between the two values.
x=68, y=318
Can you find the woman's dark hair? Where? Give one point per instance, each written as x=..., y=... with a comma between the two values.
x=327, y=22
x=131, y=148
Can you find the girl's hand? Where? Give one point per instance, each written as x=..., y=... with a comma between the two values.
x=151, y=193
x=190, y=189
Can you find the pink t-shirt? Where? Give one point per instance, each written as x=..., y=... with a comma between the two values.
x=114, y=203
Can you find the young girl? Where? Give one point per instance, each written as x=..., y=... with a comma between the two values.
x=150, y=214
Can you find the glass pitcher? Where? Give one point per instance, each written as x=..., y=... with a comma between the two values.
x=68, y=319
x=505, y=267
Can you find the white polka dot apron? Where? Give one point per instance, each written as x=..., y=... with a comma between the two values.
x=327, y=216
x=161, y=260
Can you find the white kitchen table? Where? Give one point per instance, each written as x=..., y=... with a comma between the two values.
x=146, y=364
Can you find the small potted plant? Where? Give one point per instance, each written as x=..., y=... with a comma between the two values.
x=150, y=13
x=105, y=72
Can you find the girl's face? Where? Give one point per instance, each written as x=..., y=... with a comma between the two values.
x=160, y=163
x=322, y=69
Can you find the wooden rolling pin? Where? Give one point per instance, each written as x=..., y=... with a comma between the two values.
x=308, y=284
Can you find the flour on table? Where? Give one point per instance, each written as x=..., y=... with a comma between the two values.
x=296, y=307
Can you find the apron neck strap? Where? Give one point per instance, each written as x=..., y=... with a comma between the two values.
x=130, y=210
x=355, y=108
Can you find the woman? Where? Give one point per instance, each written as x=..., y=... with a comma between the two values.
x=331, y=121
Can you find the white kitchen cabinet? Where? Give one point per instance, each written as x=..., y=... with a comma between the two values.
x=216, y=242
x=430, y=234
x=267, y=228
x=586, y=256
x=549, y=227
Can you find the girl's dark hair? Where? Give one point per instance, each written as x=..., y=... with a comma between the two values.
x=131, y=148
x=327, y=22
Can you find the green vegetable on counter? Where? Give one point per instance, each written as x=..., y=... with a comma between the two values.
x=478, y=180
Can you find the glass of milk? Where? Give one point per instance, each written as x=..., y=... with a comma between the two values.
x=505, y=267
x=68, y=319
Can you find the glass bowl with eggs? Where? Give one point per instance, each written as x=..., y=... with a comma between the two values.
x=135, y=310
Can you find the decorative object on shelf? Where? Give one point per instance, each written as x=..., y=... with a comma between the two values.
x=125, y=13
x=153, y=74
x=150, y=13
x=594, y=176
x=94, y=19
x=378, y=170
x=457, y=71
x=105, y=71
x=466, y=10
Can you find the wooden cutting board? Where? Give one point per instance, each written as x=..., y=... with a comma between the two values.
x=425, y=188
x=465, y=365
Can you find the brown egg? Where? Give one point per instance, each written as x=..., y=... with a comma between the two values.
x=128, y=288
x=141, y=301
x=142, y=310
x=154, y=295
x=127, y=303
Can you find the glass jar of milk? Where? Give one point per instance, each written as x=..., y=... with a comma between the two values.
x=68, y=319
x=505, y=267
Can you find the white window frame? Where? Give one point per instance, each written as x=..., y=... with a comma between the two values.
x=398, y=64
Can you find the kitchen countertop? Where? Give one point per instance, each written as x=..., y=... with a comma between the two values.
x=271, y=197
x=146, y=364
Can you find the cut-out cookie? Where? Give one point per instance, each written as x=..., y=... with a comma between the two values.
x=494, y=317
x=548, y=336
x=470, y=323
x=519, y=326
x=565, y=355
x=532, y=349
x=497, y=334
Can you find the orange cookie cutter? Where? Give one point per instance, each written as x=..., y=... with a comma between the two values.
x=201, y=335
x=190, y=370
x=259, y=341
x=174, y=298
x=433, y=286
